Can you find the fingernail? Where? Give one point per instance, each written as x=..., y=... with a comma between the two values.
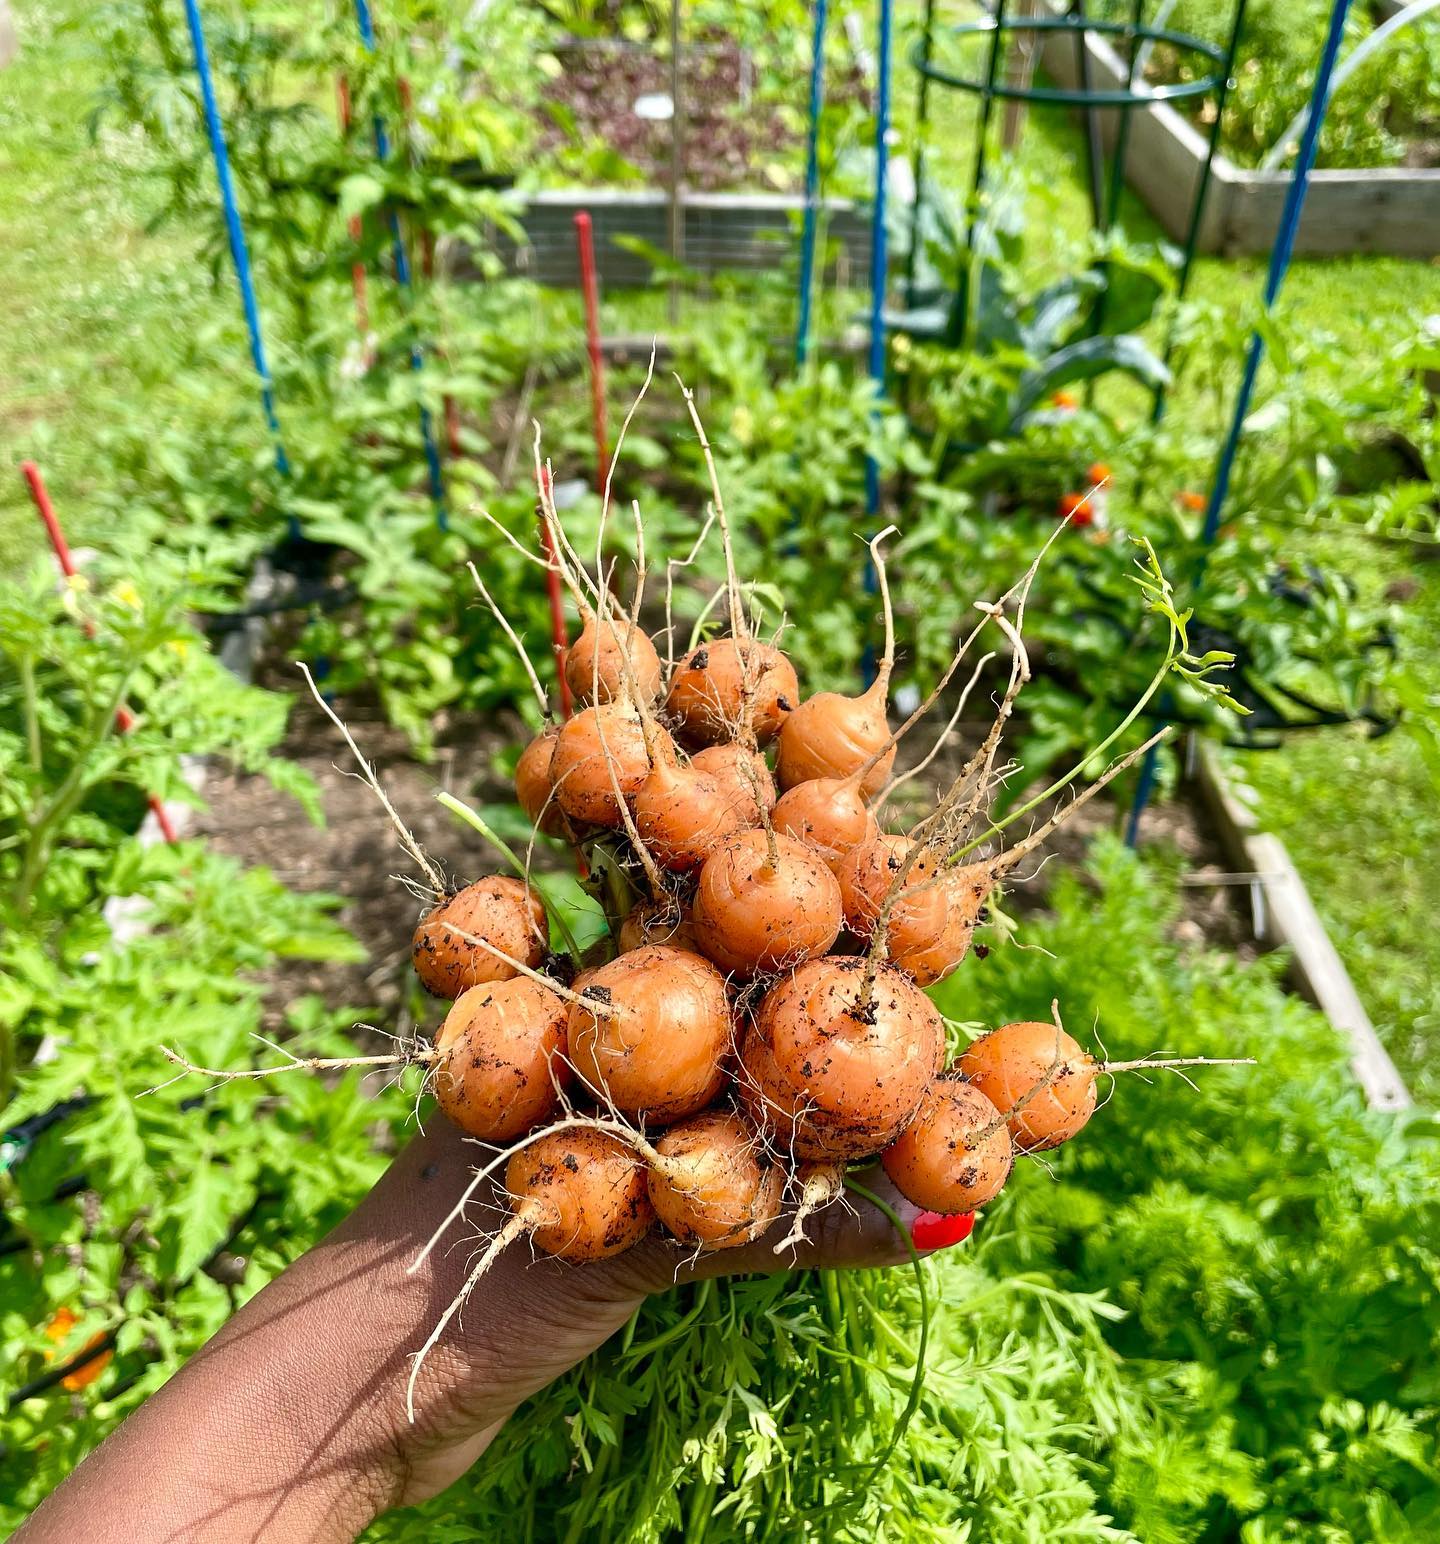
x=934, y=1230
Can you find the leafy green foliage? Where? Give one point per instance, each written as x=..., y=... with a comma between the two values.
x=963, y=289
x=1272, y=1242
x=317, y=201
x=71, y=783
x=118, y=1201
x=745, y=1409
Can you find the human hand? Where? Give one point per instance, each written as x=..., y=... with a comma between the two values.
x=291, y=1423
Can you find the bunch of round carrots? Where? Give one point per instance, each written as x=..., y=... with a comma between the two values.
x=760, y=1022
x=757, y=1022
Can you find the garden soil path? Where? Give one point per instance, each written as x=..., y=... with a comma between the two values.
x=355, y=855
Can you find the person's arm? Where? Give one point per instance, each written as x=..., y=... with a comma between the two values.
x=290, y=1424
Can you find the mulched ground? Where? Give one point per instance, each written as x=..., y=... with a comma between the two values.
x=730, y=133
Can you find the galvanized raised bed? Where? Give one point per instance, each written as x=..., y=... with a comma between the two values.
x=1381, y=209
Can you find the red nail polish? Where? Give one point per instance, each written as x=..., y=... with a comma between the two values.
x=934, y=1230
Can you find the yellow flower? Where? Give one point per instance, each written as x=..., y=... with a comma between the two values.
x=127, y=595
x=181, y=646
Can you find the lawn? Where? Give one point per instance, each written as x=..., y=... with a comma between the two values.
x=1362, y=821
x=98, y=309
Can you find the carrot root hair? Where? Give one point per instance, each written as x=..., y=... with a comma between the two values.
x=825, y=1185
x=524, y=1220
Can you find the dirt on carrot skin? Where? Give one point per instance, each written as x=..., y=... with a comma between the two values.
x=355, y=854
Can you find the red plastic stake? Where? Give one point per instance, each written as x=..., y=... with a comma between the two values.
x=358, y=279
x=590, y=288
x=559, y=630
x=41, y=495
x=124, y=718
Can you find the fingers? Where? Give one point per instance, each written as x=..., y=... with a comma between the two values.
x=849, y=1234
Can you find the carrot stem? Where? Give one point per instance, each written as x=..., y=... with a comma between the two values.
x=917, y=1385
x=463, y=811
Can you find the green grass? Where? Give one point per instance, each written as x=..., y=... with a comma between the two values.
x=96, y=310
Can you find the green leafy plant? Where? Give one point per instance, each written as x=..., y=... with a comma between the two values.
x=119, y=1202
x=77, y=661
x=963, y=288
x=360, y=420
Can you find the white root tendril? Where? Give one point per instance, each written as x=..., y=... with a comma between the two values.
x=739, y=631
x=418, y=1057
x=614, y=459
x=407, y=841
x=566, y=561
x=902, y=778
x=516, y=543
x=671, y=564
x=615, y=1127
x=590, y=1004
x=522, y=1222
x=513, y=636
x=819, y=1191
x=1175, y=1064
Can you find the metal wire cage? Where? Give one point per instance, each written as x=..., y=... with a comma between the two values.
x=1005, y=29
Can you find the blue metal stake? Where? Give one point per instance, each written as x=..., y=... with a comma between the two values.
x=1144, y=791
x=1280, y=256
x=812, y=183
x=1279, y=262
x=879, y=266
x=235, y=233
x=879, y=269
x=366, y=23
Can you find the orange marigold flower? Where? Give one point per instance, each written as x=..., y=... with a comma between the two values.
x=59, y=1327
x=87, y=1372
x=1075, y=507
x=62, y=1322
